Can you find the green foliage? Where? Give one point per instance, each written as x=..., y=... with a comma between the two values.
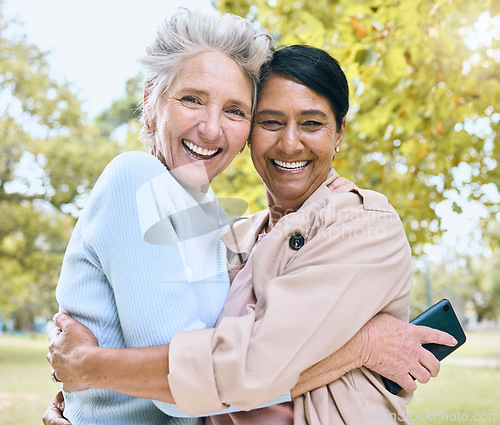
x=124, y=110
x=241, y=181
x=470, y=282
x=49, y=160
x=424, y=103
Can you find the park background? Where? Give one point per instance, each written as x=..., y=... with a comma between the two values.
x=425, y=96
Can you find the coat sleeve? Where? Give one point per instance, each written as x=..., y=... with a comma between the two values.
x=355, y=263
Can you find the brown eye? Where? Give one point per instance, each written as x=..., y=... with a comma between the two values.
x=311, y=125
x=271, y=125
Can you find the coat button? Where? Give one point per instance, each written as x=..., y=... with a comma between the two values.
x=296, y=241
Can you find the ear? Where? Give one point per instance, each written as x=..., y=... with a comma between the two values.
x=147, y=112
x=340, y=134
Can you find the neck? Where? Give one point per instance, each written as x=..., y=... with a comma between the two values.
x=277, y=210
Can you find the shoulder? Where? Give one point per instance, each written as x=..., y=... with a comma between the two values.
x=357, y=209
x=124, y=178
x=375, y=201
x=131, y=163
x=128, y=171
x=360, y=200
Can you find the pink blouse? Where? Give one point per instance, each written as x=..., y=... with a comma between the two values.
x=240, y=295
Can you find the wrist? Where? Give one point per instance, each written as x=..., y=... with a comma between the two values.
x=92, y=367
x=366, y=341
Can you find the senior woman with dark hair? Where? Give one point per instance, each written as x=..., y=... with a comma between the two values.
x=323, y=266
x=314, y=270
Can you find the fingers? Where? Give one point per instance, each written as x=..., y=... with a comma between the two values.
x=421, y=374
x=54, y=413
x=59, y=401
x=429, y=362
x=429, y=335
x=427, y=368
x=342, y=185
x=61, y=319
x=53, y=334
x=407, y=383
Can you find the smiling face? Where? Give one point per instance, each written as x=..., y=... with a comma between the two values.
x=293, y=141
x=203, y=120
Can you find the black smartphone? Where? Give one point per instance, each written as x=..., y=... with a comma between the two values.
x=440, y=316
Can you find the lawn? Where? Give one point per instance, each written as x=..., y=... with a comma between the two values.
x=463, y=393
x=459, y=394
x=25, y=385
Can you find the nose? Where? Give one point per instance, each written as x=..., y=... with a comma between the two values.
x=210, y=125
x=290, y=142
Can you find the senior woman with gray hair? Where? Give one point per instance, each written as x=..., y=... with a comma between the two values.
x=145, y=259
x=236, y=349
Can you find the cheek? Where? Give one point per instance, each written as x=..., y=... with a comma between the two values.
x=237, y=134
x=327, y=145
x=263, y=140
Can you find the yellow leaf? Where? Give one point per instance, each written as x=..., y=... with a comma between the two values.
x=360, y=29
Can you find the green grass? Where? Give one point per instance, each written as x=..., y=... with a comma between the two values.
x=456, y=395
x=462, y=393
x=26, y=388
x=481, y=344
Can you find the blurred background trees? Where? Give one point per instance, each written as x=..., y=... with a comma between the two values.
x=425, y=96
x=50, y=156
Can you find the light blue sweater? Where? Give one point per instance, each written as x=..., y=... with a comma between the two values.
x=145, y=260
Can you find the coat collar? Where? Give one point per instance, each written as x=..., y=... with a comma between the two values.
x=323, y=190
x=244, y=232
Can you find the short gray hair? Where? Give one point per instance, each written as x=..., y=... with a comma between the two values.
x=187, y=33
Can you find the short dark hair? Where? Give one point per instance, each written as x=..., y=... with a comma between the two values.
x=317, y=70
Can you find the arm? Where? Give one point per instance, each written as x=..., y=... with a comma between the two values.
x=386, y=345
x=319, y=298
x=81, y=364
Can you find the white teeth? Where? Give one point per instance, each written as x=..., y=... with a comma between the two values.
x=199, y=150
x=291, y=165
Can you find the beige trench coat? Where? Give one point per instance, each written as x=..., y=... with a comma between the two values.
x=354, y=263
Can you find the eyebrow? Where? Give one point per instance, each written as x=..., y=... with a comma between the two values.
x=307, y=112
x=270, y=112
x=194, y=90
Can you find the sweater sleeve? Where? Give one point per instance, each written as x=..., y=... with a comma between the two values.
x=356, y=264
x=143, y=295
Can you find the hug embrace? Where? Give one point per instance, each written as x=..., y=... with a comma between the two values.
x=173, y=313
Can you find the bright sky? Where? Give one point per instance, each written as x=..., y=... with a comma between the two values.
x=95, y=44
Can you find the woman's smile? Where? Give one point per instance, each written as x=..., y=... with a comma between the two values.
x=290, y=166
x=199, y=153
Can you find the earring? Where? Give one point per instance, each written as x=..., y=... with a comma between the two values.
x=337, y=149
